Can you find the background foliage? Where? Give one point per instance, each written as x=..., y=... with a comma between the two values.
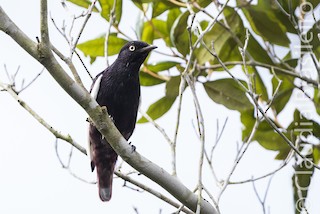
x=272, y=25
x=251, y=60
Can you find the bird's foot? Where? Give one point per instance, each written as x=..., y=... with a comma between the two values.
x=111, y=118
x=89, y=120
x=133, y=147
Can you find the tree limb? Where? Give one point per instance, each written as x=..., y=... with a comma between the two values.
x=102, y=121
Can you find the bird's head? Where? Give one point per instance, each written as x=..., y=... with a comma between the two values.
x=135, y=52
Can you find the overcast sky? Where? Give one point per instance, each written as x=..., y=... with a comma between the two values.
x=32, y=179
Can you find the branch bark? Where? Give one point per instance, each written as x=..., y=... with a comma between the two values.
x=99, y=116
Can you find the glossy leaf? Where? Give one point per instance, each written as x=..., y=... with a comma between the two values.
x=265, y=24
x=301, y=180
x=316, y=154
x=161, y=6
x=147, y=33
x=162, y=66
x=273, y=142
x=257, y=52
x=148, y=80
x=259, y=86
x=179, y=34
x=172, y=86
x=83, y=3
x=302, y=125
x=107, y=5
x=95, y=47
x=171, y=18
x=155, y=29
x=203, y=3
x=312, y=36
x=228, y=93
x=158, y=108
x=316, y=99
x=282, y=97
x=225, y=45
x=247, y=119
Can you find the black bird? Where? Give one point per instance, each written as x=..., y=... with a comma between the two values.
x=117, y=88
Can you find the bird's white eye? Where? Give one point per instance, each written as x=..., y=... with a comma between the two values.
x=132, y=48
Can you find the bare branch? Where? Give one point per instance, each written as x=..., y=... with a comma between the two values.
x=151, y=191
x=44, y=22
x=56, y=133
x=239, y=156
x=32, y=81
x=111, y=21
x=101, y=120
x=74, y=45
x=67, y=166
x=262, y=201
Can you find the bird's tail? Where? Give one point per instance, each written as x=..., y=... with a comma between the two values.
x=105, y=177
x=104, y=158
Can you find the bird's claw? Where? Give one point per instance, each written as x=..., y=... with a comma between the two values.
x=133, y=147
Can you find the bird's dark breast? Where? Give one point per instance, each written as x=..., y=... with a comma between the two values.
x=121, y=98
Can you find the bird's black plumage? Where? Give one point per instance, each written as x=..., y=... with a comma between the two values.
x=117, y=88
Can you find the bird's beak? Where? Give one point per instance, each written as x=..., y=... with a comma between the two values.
x=148, y=48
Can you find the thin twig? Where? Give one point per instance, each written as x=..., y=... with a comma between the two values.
x=253, y=97
x=70, y=64
x=56, y=133
x=151, y=191
x=239, y=156
x=67, y=166
x=106, y=41
x=285, y=162
x=32, y=81
x=262, y=201
x=73, y=47
x=264, y=65
x=182, y=87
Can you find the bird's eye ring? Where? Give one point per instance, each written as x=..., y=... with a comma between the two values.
x=132, y=48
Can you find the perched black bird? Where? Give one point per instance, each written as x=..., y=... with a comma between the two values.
x=117, y=88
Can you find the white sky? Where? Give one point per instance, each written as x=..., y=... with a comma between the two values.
x=32, y=179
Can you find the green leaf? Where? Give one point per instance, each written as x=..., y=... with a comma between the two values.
x=107, y=5
x=147, y=33
x=148, y=80
x=161, y=6
x=203, y=3
x=301, y=180
x=316, y=99
x=228, y=93
x=172, y=17
x=162, y=66
x=303, y=126
x=316, y=154
x=266, y=24
x=282, y=97
x=257, y=52
x=155, y=29
x=160, y=29
x=283, y=154
x=225, y=45
x=179, y=34
x=269, y=139
x=247, y=119
x=259, y=84
x=172, y=86
x=95, y=47
x=158, y=109
x=312, y=37
x=83, y=3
